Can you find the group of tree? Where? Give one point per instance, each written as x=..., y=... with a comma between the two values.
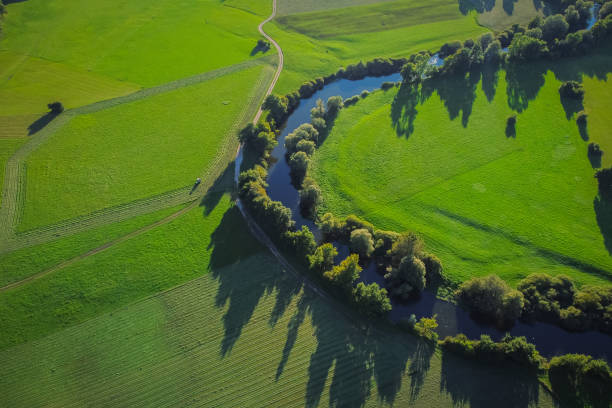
x=553, y=299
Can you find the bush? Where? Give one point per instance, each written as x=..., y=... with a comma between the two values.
x=493, y=52
x=581, y=380
x=525, y=48
x=306, y=146
x=554, y=28
x=345, y=274
x=364, y=94
x=605, y=10
x=351, y=101
x=319, y=124
x=491, y=297
x=323, y=258
x=433, y=270
x=571, y=89
x=56, y=107
x=387, y=85
x=546, y=295
x=304, y=132
x=299, y=162
x=259, y=138
x=310, y=196
x=426, y=328
x=334, y=104
x=449, y=49
x=362, y=243
x=371, y=300
x=407, y=279
x=383, y=241
x=407, y=244
x=278, y=108
x=330, y=226
x=301, y=242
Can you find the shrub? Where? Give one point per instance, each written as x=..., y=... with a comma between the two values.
x=546, y=295
x=301, y=242
x=299, y=162
x=605, y=10
x=407, y=244
x=351, y=101
x=306, y=146
x=408, y=278
x=334, y=104
x=277, y=106
x=571, y=89
x=323, y=258
x=426, y=328
x=319, y=124
x=383, y=241
x=259, y=138
x=491, y=297
x=524, y=48
x=554, y=28
x=493, y=52
x=330, y=226
x=364, y=94
x=449, y=49
x=486, y=39
x=371, y=300
x=352, y=222
x=433, y=269
x=310, y=196
x=594, y=149
x=387, y=85
x=362, y=242
x=346, y=273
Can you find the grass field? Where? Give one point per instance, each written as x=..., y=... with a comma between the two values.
x=301, y=6
x=7, y=148
x=505, y=13
x=107, y=156
x=244, y=334
x=318, y=43
x=484, y=202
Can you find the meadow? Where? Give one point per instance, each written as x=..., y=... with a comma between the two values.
x=440, y=162
x=318, y=43
x=107, y=155
x=244, y=334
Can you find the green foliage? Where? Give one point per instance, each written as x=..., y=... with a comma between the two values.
x=258, y=138
x=525, y=48
x=434, y=270
x=304, y=132
x=546, y=295
x=554, y=28
x=345, y=274
x=278, y=108
x=408, y=244
x=384, y=241
x=371, y=300
x=306, y=146
x=449, y=49
x=361, y=242
x=406, y=279
x=298, y=162
x=310, y=196
x=322, y=259
x=581, y=380
x=513, y=349
x=301, y=242
x=426, y=328
x=490, y=296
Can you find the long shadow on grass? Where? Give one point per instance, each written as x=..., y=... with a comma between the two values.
x=524, y=82
x=41, y=122
x=220, y=186
x=603, y=213
x=480, y=6
x=508, y=386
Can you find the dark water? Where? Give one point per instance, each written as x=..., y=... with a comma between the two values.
x=550, y=340
x=594, y=16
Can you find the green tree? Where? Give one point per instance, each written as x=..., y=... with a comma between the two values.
x=346, y=273
x=407, y=244
x=371, y=299
x=554, y=28
x=323, y=258
x=362, y=242
x=278, y=107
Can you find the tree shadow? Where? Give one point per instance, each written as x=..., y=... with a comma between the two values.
x=589, y=395
x=403, y=109
x=259, y=48
x=507, y=385
x=458, y=93
x=221, y=185
x=41, y=122
x=603, y=214
x=583, y=130
x=480, y=6
x=510, y=129
x=523, y=82
x=508, y=6
x=595, y=160
x=572, y=106
x=490, y=79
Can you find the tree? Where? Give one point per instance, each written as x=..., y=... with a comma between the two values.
x=56, y=107
x=310, y=195
x=302, y=242
x=323, y=258
x=299, y=163
x=605, y=10
x=334, y=104
x=554, y=28
x=362, y=242
x=410, y=74
x=306, y=146
x=493, y=53
x=407, y=244
x=408, y=278
x=572, y=89
x=524, y=47
x=434, y=272
x=491, y=297
x=449, y=48
x=371, y=299
x=426, y=327
x=259, y=138
x=278, y=107
x=304, y=132
x=346, y=273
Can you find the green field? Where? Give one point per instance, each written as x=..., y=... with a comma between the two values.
x=506, y=13
x=107, y=155
x=439, y=162
x=244, y=334
x=317, y=44
x=7, y=148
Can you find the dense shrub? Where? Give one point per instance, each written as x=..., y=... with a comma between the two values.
x=304, y=132
x=323, y=258
x=55, y=107
x=581, y=380
x=278, y=107
x=333, y=106
x=406, y=279
x=319, y=124
x=361, y=242
x=299, y=162
x=449, y=49
x=387, y=85
x=310, y=196
x=515, y=349
x=493, y=52
x=330, y=226
x=426, y=328
x=491, y=297
x=408, y=244
x=310, y=87
x=371, y=300
x=345, y=274
x=434, y=272
x=364, y=94
x=301, y=242
x=383, y=241
x=554, y=28
x=306, y=146
x=351, y=101
x=525, y=48
x=546, y=295
x=258, y=138
x=571, y=89
x=605, y=10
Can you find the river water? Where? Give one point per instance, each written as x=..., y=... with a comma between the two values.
x=550, y=340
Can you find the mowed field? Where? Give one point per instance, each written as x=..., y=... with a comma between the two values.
x=317, y=43
x=439, y=162
x=244, y=333
x=138, y=149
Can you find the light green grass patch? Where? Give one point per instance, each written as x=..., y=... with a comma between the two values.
x=505, y=13
x=28, y=84
x=163, y=257
x=22, y=263
x=7, y=148
x=598, y=94
x=135, y=150
x=307, y=58
x=484, y=202
x=142, y=42
x=246, y=335
x=300, y=6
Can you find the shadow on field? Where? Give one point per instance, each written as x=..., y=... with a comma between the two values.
x=508, y=386
x=603, y=213
x=508, y=6
x=41, y=122
x=223, y=184
x=480, y=6
x=524, y=82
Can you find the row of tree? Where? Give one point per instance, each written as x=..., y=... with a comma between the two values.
x=553, y=299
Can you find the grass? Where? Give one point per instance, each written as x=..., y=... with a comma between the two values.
x=139, y=42
x=107, y=156
x=340, y=37
x=142, y=266
x=506, y=13
x=285, y=7
x=598, y=92
x=7, y=148
x=484, y=202
x=245, y=334
x=22, y=263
